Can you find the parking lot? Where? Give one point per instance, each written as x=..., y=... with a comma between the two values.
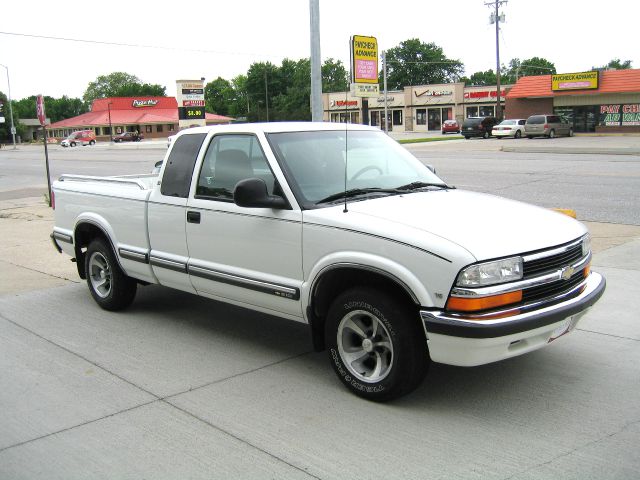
x=182, y=387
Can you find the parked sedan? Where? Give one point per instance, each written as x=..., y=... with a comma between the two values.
x=509, y=128
x=450, y=126
x=128, y=137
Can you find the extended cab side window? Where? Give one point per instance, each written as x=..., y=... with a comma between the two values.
x=229, y=159
x=176, y=179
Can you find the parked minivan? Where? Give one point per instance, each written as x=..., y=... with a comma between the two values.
x=82, y=137
x=547, y=126
x=478, y=127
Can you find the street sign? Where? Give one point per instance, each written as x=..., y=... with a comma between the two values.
x=365, y=90
x=40, y=110
x=13, y=130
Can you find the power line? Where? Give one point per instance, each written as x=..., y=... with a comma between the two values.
x=135, y=45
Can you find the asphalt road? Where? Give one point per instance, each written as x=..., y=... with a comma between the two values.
x=601, y=188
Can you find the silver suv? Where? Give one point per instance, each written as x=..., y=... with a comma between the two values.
x=547, y=126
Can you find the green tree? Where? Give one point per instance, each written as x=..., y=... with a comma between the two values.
x=527, y=68
x=335, y=77
x=615, y=64
x=219, y=95
x=120, y=84
x=482, y=78
x=56, y=108
x=417, y=63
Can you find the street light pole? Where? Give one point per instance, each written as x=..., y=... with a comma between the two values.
x=13, y=128
x=110, y=127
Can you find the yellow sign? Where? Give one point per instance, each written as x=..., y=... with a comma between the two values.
x=574, y=81
x=364, y=59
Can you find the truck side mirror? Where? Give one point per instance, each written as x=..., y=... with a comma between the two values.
x=252, y=193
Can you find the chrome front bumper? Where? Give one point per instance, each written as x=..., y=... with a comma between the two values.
x=518, y=319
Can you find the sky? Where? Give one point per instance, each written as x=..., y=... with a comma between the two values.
x=216, y=38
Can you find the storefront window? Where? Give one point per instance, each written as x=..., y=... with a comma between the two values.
x=472, y=112
x=421, y=116
x=434, y=119
x=487, y=111
x=397, y=117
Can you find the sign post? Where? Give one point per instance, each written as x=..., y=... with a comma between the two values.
x=42, y=117
x=190, y=97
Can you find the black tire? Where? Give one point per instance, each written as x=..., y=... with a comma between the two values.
x=552, y=133
x=466, y=137
x=72, y=144
x=529, y=137
x=485, y=135
x=386, y=340
x=518, y=134
x=108, y=284
x=571, y=132
x=92, y=142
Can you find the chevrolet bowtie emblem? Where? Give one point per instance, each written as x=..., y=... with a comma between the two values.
x=567, y=272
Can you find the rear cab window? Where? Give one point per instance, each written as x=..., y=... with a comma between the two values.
x=176, y=179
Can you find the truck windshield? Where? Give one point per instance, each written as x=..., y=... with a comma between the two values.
x=316, y=163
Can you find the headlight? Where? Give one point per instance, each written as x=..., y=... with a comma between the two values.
x=586, y=245
x=491, y=273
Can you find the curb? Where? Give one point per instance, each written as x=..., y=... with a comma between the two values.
x=573, y=150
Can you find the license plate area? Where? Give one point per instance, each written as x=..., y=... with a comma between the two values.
x=565, y=327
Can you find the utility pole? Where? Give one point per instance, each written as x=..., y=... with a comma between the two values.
x=496, y=18
x=384, y=84
x=316, y=61
x=13, y=128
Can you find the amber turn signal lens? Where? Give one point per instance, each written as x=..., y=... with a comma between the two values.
x=587, y=270
x=483, y=303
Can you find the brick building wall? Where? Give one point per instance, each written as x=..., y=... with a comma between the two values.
x=525, y=107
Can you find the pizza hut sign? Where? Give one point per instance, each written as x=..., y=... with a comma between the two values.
x=144, y=103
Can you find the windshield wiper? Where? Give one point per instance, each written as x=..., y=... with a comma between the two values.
x=354, y=192
x=416, y=185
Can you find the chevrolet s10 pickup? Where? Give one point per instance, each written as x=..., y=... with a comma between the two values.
x=343, y=229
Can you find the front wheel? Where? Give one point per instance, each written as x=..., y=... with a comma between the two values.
x=108, y=284
x=376, y=344
x=571, y=132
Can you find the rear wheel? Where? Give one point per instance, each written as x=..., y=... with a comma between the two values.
x=108, y=284
x=466, y=137
x=518, y=134
x=485, y=135
x=529, y=137
x=92, y=142
x=571, y=132
x=376, y=344
x=552, y=133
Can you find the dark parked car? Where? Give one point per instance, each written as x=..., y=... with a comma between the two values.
x=478, y=127
x=450, y=126
x=128, y=137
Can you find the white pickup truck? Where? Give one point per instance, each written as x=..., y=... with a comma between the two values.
x=343, y=229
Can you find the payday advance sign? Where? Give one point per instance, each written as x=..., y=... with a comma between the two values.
x=574, y=81
x=364, y=66
x=191, y=103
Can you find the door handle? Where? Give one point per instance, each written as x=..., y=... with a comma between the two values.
x=193, y=217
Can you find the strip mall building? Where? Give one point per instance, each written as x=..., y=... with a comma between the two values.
x=154, y=117
x=607, y=101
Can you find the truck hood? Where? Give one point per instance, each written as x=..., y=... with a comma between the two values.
x=485, y=225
